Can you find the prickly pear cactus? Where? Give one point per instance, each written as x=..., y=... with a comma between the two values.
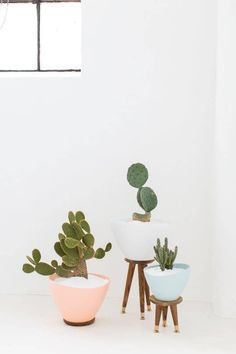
x=164, y=256
x=137, y=176
x=74, y=246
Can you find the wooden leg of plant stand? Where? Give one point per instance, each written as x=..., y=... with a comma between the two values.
x=141, y=290
x=164, y=316
x=128, y=285
x=157, y=318
x=175, y=317
x=147, y=292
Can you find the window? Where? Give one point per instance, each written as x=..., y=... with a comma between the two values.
x=40, y=35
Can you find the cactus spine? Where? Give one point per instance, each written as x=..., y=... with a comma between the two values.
x=164, y=256
x=75, y=247
x=137, y=176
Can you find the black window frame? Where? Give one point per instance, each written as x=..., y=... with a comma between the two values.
x=38, y=16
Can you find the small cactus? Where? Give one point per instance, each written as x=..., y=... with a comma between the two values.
x=137, y=176
x=75, y=247
x=164, y=256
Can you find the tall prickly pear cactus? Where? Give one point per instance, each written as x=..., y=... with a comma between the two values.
x=137, y=176
x=75, y=246
x=164, y=256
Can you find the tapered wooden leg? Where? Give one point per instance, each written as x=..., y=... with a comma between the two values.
x=164, y=316
x=175, y=317
x=128, y=285
x=147, y=293
x=157, y=318
x=141, y=290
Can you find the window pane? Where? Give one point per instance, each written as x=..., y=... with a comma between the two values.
x=60, y=36
x=18, y=38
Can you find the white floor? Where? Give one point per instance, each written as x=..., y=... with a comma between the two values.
x=31, y=324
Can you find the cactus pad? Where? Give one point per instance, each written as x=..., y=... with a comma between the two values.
x=68, y=230
x=71, y=217
x=137, y=175
x=79, y=216
x=148, y=199
x=88, y=240
x=78, y=230
x=100, y=253
x=58, y=249
x=89, y=253
x=36, y=255
x=73, y=252
x=31, y=260
x=44, y=269
x=54, y=263
x=108, y=247
x=27, y=268
x=85, y=225
x=71, y=242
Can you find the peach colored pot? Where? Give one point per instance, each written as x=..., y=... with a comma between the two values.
x=78, y=306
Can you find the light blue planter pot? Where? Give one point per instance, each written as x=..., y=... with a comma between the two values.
x=168, y=286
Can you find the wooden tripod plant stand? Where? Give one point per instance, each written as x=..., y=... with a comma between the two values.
x=162, y=308
x=143, y=286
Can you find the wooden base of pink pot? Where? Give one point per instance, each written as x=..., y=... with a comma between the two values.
x=79, y=323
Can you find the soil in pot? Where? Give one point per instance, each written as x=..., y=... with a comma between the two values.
x=93, y=281
x=158, y=272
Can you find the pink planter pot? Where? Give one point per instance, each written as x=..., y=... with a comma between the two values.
x=78, y=306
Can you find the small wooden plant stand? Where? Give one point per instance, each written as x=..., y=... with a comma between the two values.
x=162, y=308
x=143, y=286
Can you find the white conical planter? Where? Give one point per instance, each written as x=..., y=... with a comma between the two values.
x=136, y=239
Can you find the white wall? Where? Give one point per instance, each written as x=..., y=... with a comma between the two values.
x=224, y=261
x=146, y=94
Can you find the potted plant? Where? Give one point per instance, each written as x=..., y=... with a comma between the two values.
x=77, y=293
x=168, y=279
x=136, y=236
